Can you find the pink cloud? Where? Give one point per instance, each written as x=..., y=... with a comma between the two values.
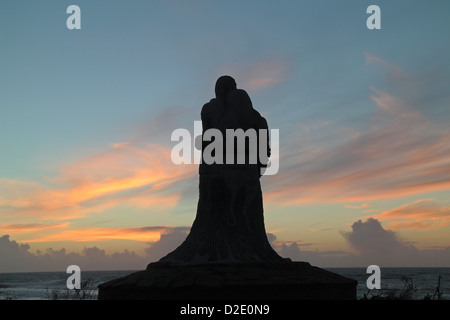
x=259, y=75
x=424, y=214
x=370, y=58
x=399, y=153
x=125, y=175
x=144, y=234
x=395, y=75
x=31, y=227
x=363, y=205
x=395, y=106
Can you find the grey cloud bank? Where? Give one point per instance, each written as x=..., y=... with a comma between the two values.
x=373, y=245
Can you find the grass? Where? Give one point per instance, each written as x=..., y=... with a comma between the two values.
x=8, y=297
x=406, y=293
x=86, y=292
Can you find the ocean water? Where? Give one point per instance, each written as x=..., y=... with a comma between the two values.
x=40, y=285
x=424, y=280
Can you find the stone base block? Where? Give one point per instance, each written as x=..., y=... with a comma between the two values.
x=236, y=281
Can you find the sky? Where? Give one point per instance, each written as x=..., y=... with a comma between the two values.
x=86, y=118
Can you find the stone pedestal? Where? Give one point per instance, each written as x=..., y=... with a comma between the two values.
x=235, y=281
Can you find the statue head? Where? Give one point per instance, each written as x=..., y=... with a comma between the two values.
x=224, y=85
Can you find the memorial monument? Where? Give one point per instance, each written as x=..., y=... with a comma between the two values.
x=227, y=254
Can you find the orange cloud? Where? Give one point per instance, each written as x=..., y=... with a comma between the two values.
x=30, y=227
x=259, y=75
x=395, y=74
x=395, y=106
x=124, y=175
x=364, y=205
x=368, y=168
x=371, y=210
x=146, y=234
x=370, y=58
x=421, y=214
x=122, y=168
x=399, y=153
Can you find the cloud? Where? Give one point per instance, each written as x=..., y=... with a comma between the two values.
x=370, y=58
x=396, y=107
x=398, y=152
x=371, y=210
x=363, y=205
x=377, y=245
x=380, y=246
x=159, y=127
x=168, y=242
x=259, y=75
x=372, y=244
x=130, y=174
x=396, y=77
x=423, y=214
x=125, y=175
x=369, y=238
x=296, y=252
x=291, y=251
x=97, y=234
x=31, y=227
x=16, y=257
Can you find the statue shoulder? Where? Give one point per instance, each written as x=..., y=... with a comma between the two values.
x=261, y=122
x=206, y=108
x=212, y=105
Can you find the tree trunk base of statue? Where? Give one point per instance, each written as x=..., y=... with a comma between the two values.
x=230, y=281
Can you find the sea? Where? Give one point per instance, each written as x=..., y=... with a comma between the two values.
x=52, y=285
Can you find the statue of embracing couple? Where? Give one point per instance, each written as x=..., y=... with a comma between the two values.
x=229, y=225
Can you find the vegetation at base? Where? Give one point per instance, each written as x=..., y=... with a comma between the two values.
x=86, y=292
x=406, y=293
x=8, y=297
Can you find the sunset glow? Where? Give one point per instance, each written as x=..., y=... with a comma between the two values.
x=86, y=118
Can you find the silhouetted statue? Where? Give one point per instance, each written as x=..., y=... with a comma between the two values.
x=229, y=225
x=227, y=255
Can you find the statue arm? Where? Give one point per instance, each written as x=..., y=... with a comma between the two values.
x=262, y=124
x=204, y=116
x=266, y=126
